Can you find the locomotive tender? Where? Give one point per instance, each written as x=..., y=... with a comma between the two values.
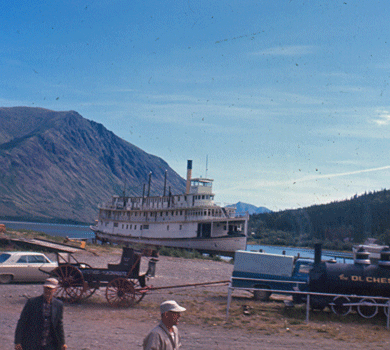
x=359, y=284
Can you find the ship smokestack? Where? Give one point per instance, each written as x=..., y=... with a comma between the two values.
x=165, y=182
x=189, y=174
x=150, y=179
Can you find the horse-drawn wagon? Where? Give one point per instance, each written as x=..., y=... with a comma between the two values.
x=124, y=284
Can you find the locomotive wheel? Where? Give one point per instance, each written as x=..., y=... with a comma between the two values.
x=367, y=311
x=70, y=283
x=139, y=294
x=338, y=306
x=261, y=295
x=120, y=292
x=386, y=308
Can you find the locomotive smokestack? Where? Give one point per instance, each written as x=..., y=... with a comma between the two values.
x=189, y=174
x=317, y=253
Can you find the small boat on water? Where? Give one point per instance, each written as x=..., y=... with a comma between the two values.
x=372, y=247
x=190, y=220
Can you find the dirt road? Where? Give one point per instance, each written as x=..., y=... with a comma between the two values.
x=93, y=324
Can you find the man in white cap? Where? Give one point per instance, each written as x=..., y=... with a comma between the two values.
x=166, y=335
x=40, y=326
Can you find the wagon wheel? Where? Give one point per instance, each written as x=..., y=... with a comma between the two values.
x=90, y=288
x=365, y=310
x=120, y=292
x=139, y=291
x=70, y=282
x=338, y=306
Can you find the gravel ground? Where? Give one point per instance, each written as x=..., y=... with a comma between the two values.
x=93, y=324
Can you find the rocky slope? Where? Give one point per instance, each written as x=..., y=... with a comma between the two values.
x=59, y=165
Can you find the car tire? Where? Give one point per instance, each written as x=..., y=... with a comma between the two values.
x=4, y=279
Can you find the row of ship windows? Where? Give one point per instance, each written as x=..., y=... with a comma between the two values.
x=156, y=200
x=166, y=199
x=173, y=213
x=141, y=227
x=146, y=214
x=203, y=196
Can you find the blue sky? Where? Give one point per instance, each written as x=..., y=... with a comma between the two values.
x=289, y=100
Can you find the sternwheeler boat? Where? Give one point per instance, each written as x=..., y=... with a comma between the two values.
x=190, y=220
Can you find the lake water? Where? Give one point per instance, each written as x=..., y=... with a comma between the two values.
x=84, y=232
x=70, y=231
x=302, y=252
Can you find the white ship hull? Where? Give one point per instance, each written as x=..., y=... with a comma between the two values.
x=223, y=245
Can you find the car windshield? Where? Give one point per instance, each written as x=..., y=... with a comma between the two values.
x=22, y=259
x=4, y=257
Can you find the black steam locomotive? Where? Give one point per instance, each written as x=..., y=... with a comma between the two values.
x=362, y=284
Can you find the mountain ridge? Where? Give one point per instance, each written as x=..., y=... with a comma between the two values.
x=59, y=165
x=242, y=208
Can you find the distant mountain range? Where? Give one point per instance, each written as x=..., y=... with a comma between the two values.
x=60, y=166
x=242, y=208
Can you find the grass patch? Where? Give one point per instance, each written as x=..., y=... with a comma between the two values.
x=273, y=318
x=186, y=254
x=33, y=234
x=27, y=234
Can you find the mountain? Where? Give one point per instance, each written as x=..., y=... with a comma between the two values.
x=60, y=166
x=242, y=208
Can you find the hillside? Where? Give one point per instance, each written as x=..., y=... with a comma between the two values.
x=59, y=165
x=337, y=224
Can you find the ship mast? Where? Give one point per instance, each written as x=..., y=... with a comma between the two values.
x=165, y=182
x=207, y=165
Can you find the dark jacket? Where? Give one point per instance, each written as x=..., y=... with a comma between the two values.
x=30, y=325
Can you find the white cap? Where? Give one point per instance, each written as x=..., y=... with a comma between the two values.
x=51, y=283
x=171, y=305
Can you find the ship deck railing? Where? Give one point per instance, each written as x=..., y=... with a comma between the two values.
x=162, y=219
x=201, y=203
x=174, y=206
